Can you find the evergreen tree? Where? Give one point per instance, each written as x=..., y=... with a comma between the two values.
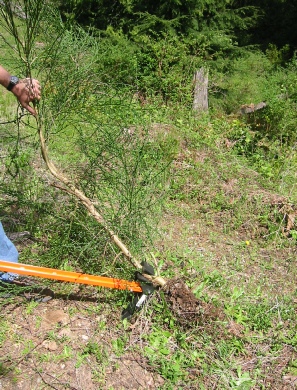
x=151, y=17
x=277, y=24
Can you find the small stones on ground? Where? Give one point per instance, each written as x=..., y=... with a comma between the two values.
x=50, y=345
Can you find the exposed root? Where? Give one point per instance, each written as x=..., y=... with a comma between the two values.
x=189, y=310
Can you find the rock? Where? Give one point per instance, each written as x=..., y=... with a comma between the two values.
x=50, y=345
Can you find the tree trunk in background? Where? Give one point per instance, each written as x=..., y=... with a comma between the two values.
x=200, y=81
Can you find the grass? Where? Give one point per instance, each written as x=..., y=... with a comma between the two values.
x=221, y=229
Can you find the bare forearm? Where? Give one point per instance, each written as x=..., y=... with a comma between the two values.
x=4, y=77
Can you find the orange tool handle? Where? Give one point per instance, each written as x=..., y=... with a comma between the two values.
x=68, y=276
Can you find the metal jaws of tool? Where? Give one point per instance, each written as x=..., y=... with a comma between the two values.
x=147, y=290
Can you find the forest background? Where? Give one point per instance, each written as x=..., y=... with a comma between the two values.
x=208, y=197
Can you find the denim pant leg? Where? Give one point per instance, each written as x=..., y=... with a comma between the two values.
x=8, y=252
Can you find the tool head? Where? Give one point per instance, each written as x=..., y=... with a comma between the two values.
x=147, y=290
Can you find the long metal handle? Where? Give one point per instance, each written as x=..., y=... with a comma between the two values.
x=68, y=276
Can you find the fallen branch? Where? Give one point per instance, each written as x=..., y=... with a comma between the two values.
x=250, y=108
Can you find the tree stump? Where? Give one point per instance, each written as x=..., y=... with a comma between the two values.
x=200, y=81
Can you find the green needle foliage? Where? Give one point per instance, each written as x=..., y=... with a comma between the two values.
x=107, y=146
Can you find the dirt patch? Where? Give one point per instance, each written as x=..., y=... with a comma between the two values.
x=184, y=305
x=189, y=310
x=53, y=318
x=131, y=372
x=64, y=344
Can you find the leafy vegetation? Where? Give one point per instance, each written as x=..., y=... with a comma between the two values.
x=207, y=197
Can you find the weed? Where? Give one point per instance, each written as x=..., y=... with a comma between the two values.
x=243, y=381
x=3, y=370
x=66, y=353
x=30, y=307
x=166, y=352
x=119, y=345
x=28, y=346
x=4, y=328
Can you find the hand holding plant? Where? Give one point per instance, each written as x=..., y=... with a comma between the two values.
x=27, y=91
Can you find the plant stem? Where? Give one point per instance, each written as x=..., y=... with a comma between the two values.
x=71, y=189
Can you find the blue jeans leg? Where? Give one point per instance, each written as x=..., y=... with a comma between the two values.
x=8, y=252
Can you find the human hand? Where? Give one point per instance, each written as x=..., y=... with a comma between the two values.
x=27, y=91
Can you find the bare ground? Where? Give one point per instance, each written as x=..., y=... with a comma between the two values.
x=72, y=344
x=47, y=346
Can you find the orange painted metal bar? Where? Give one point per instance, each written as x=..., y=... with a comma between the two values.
x=68, y=276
